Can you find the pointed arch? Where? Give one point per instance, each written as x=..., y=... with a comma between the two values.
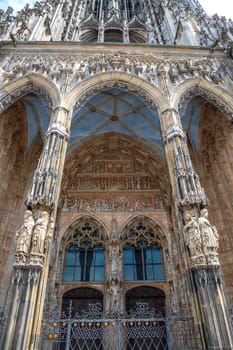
x=31, y=83
x=93, y=85
x=148, y=221
x=215, y=94
x=83, y=219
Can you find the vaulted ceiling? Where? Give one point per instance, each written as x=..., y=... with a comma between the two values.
x=119, y=111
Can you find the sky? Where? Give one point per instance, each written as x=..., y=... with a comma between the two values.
x=223, y=7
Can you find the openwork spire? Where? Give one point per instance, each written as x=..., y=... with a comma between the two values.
x=161, y=22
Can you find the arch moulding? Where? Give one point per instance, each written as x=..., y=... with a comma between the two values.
x=32, y=83
x=148, y=220
x=74, y=221
x=191, y=88
x=82, y=92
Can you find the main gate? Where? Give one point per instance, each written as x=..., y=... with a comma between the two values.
x=141, y=329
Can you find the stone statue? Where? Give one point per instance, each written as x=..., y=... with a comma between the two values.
x=193, y=237
x=114, y=296
x=209, y=233
x=39, y=233
x=24, y=234
x=49, y=234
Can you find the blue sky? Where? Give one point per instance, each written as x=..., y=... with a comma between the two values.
x=223, y=7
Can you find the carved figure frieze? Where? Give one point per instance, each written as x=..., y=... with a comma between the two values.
x=137, y=182
x=88, y=202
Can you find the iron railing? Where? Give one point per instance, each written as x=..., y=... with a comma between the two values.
x=141, y=329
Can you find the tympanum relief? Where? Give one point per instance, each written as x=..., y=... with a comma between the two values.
x=112, y=185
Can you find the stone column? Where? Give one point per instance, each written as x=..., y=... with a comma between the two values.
x=200, y=238
x=34, y=237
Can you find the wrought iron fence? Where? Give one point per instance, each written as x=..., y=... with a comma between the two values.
x=141, y=329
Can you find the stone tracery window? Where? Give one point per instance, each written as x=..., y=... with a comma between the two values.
x=142, y=254
x=84, y=257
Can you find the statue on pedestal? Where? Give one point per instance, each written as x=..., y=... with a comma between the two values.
x=209, y=233
x=193, y=237
x=39, y=233
x=24, y=234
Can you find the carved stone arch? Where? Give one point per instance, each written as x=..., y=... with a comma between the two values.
x=79, y=95
x=31, y=83
x=82, y=298
x=159, y=235
x=85, y=233
x=91, y=225
x=191, y=88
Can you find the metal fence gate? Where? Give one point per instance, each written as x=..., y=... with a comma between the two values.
x=141, y=329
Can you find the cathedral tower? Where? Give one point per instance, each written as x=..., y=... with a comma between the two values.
x=116, y=176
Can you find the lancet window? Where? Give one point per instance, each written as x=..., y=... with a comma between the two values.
x=84, y=256
x=142, y=254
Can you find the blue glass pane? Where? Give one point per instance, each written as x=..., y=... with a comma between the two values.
x=89, y=258
x=70, y=258
x=149, y=275
x=68, y=274
x=90, y=276
x=77, y=275
x=99, y=274
x=159, y=276
x=129, y=273
x=148, y=259
x=156, y=255
x=99, y=257
x=128, y=256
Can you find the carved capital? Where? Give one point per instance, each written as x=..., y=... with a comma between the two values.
x=172, y=132
x=58, y=128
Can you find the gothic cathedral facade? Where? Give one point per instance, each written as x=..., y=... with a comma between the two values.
x=116, y=168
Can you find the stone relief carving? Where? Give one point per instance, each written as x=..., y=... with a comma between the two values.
x=86, y=202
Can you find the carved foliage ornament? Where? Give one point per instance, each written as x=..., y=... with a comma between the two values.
x=64, y=71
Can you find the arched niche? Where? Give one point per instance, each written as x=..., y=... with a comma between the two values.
x=210, y=138
x=22, y=128
x=81, y=299
x=154, y=297
x=82, y=252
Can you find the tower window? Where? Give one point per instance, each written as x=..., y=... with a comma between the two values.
x=143, y=264
x=142, y=254
x=84, y=264
x=84, y=256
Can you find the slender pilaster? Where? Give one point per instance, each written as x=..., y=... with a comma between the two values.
x=200, y=238
x=34, y=237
